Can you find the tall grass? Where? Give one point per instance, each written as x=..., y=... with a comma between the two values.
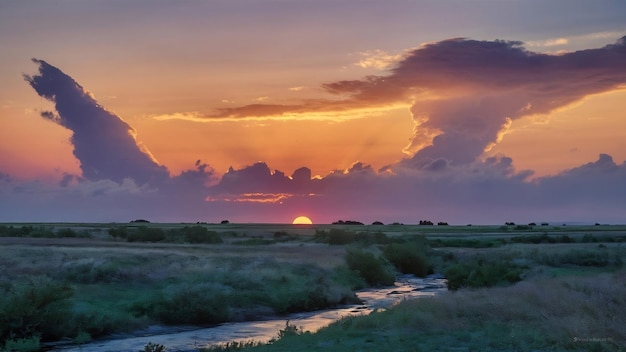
x=567, y=314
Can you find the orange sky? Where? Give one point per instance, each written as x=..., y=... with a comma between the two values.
x=341, y=82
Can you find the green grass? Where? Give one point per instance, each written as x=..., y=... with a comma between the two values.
x=189, y=276
x=566, y=314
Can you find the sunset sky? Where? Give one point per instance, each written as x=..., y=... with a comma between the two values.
x=261, y=111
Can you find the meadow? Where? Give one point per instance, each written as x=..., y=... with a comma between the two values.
x=512, y=288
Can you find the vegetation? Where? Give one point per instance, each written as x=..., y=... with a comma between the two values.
x=376, y=271
x=40, y=232
x=480, y=273
x=580, y=314
x=187, y=234
x=410, y=257
x=338, y=236
x=564, y=284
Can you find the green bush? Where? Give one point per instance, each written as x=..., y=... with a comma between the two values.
x=335, y=236
x=466, y=243
x=146, y=234
x=342, y=237
x=480, y=273
x=408, y=258
x=199, y=234
x=118, y=232
x=30, y=344
x=374, y=270
x=187, y=304
x=36, y=307
x=69, y=233
x=91, y=273
x=96, y=323
x=587, y=238
x=583, y=257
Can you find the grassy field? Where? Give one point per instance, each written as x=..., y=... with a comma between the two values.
x=512, y=287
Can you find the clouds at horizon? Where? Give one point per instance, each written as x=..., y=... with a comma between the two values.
x=445, y=181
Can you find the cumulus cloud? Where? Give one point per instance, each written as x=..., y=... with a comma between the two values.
x=465, y=93
x=489, y=191
x=378, y=59
x=104, y=144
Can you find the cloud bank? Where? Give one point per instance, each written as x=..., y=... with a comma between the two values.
x=463, y=95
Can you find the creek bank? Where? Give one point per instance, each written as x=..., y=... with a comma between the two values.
x=188, y=338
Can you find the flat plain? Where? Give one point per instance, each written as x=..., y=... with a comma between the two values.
x=512, y=287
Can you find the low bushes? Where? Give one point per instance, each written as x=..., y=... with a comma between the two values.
x=41, y=232
x=188, y=234
x=466, y=243
x=38, y=307
x=376, y=271
x=583, y=257
x=409, y=258
x=480, y=273
x=187, y=304
x=342, y=237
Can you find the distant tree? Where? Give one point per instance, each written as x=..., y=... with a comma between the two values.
x=347, y=222
x=532, y=224
x=426, y=222
x=377, y=223
x=544, y=224
x=141, y=221
x=224, y=222
x=441, y=223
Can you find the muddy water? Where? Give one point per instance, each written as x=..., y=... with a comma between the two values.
x=176, y=340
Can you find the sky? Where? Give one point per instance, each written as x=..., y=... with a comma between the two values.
x=479, y=112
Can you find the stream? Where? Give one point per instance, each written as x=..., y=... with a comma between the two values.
x=191, y=339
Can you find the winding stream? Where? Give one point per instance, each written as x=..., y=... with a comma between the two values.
x=376, y=298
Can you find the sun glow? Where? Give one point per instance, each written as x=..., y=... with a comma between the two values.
x=302, y=220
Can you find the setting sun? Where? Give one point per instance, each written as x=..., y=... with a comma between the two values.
x=302, y=220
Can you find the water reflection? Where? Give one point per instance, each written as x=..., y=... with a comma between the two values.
x=380, y=298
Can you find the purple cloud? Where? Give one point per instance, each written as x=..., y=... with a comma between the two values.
x=465, y=93
x=104, y=144
x=479, y=86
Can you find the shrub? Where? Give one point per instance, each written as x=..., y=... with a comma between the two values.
x=69, y=233
x=342, y=237
x=335, y=236
x=187, y=304
x=587, y=238
x=374, y=270
x=466, y=243
x=153, y=347
x=482, y=274
x=82, y=337
x=584, y=258
x=30, y=344
x=90, y=272
x=408, y=258
x=146, y=234
x=37, y=307
x=200, y=234
x=118, y=232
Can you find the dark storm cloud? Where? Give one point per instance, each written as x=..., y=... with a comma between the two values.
x=103, y=143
